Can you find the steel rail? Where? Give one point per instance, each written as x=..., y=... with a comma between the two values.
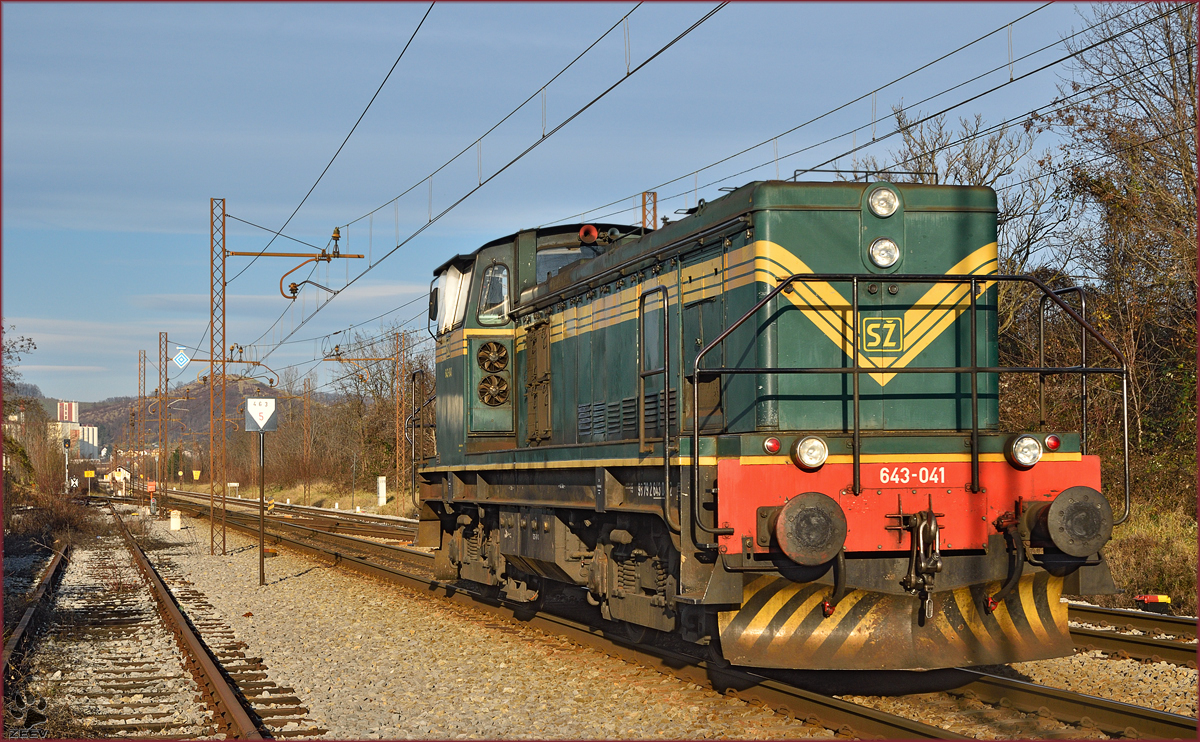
x=805, y=705
x=1141, y=620
x=1110, y=717
x=21, y=634
x=231, y=712
x=1176, y=651
x=381, y=526
x=1136, y=646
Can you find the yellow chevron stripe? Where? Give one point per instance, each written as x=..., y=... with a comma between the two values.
x=813, y=642
x=966, y=607
x=948, y=632
x=768, y=262
x=1004, y=618
x=793, y=621
x=1029, y=605
x=768, y=611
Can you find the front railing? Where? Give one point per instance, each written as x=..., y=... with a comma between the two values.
x=855, y=371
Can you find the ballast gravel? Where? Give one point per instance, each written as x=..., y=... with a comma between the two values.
x=1156, y=685
x=373, y=660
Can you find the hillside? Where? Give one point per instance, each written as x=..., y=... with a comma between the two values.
x=112, y=415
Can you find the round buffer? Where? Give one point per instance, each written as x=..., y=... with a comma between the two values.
x=810, y=528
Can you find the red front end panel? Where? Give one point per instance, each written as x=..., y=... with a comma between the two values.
x=893, y=487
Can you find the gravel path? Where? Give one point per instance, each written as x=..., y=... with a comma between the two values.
x=378, y=661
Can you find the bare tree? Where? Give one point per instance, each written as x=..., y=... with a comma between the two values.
x=1131, y=163
x=1030, y=220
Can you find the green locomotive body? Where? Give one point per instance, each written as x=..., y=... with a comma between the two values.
x=830, y=489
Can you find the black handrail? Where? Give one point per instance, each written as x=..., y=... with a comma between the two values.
x=664, y=410
x=1083, y=395
x=415, y=419
x=974, y=369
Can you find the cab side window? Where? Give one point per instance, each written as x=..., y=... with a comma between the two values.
x=493, y=295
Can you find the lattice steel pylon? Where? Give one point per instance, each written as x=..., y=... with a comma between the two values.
x=216, y=377
x=161, y=470
x=141, y=423
x=649, y=210
x=401, y=407
x=308, y=389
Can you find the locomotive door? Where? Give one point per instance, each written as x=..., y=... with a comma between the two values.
x=701, y=282
x=490, y=391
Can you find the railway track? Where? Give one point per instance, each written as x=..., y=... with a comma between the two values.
x=1137, y=634
x=116, y=656
x=367, y=525
x=773, y=690
x=1123, y=633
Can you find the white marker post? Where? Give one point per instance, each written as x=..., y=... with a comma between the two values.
x=381, y=490
x=261, y=418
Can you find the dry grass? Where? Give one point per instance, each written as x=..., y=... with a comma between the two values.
x=1154, y=552
x=51, y=517
x=324, y=495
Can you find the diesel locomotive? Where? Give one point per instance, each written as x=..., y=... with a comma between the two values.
x=770, y=427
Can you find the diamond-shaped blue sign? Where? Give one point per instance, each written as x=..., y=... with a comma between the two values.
x=181, y=359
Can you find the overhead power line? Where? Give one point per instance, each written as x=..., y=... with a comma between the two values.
x=806, y=148
x=1043, y=68
x=1030, y=73
x=429, y=178
x=813, y=120
x=484, y=181
x=540, y=91
x=343, y=144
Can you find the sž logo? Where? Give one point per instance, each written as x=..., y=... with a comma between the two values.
x=882, y=335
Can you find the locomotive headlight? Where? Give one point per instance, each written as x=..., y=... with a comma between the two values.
x=883, y=202
x=1024, y=451
x=809, y=452
x=884, y=252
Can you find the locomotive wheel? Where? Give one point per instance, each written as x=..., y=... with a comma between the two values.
x=493, y=390
x=492, y=357
x=635, y=633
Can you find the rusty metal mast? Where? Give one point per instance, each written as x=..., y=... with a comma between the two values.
x=141, y=420
x=649, y=210
x=216, y=377
x=161, y=469
x=397, y=397
x=307, y=440
x=397, y=392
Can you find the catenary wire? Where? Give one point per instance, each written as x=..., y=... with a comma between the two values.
x=922, y=120
x=1060, y=102
x=509, y=115
x=846, y=133
x=481, y=137
x=507, y=165
x=812, y=120
x=343, y=144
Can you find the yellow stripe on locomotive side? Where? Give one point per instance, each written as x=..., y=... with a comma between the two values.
x=766, y=262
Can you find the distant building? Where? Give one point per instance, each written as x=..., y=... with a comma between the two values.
x=84, y=438
x=68, y=412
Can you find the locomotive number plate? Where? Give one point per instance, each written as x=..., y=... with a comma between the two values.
x=912, y=474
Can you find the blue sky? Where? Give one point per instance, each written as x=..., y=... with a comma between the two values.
x=120, y=121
